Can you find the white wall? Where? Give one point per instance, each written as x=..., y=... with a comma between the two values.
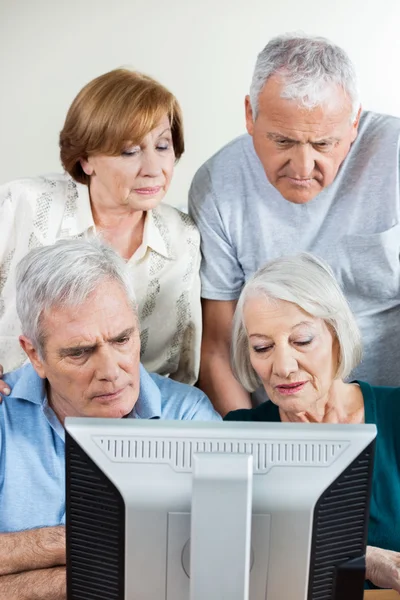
x=204, y=51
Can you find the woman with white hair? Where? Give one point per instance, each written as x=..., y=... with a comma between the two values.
x=295, y=335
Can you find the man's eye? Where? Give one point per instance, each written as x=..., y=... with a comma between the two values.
x=323, y=145
x=123, y=340
x=283, y=143
x=78, y=353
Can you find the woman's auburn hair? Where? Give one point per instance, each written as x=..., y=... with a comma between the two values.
x=117, y=108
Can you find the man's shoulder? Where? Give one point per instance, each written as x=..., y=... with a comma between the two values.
x=228, y=159
x=183, y=402
x=24, y=373
x=25, y=399
x=378, y=127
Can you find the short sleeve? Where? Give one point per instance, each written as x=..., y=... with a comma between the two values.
x=222, y=276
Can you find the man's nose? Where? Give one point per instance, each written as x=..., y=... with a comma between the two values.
x=284, y=362
x=302, y=161
x=107, y=367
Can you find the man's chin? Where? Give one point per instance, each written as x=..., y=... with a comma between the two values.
x=114, y=408
x=298, y=195
x=114, y=412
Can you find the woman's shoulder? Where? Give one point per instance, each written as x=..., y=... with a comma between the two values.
x=381, y=404
x=379, y=392
x=30, y=189
x=177, y=222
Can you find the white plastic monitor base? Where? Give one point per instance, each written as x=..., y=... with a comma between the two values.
x=221, y=526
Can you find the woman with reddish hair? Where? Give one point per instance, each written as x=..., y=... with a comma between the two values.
x=121, y=139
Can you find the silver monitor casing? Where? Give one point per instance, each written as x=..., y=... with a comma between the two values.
x=155, y=466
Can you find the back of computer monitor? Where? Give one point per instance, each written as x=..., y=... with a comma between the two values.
x=129, y=496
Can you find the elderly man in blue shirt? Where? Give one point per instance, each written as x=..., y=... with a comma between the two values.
x=81, y=334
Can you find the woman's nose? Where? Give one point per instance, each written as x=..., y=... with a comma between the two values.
x=284, y=362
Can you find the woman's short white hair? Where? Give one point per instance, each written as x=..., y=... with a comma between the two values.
x=308, y=282
x=310, y=68
x=65, y=274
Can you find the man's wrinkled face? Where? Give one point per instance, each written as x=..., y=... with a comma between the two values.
x=91, y=355
x=300, y=149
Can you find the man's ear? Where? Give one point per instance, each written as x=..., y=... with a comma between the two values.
x=356, y=123
x=33, y=355
x=249, y=115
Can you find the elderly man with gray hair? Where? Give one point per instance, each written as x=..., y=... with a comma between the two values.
x=81, y=334
x=315, y=174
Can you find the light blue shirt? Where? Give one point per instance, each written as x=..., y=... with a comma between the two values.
x=32, y=449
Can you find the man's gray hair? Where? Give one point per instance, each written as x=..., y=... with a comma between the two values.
x=309, y=283
x=65, y=274
x=310, y=68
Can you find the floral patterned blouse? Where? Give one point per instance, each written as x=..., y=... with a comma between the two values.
x=165, y=269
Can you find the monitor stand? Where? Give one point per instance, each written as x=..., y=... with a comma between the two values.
x=221, y=526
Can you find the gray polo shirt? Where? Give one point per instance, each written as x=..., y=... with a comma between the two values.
x=354, y=225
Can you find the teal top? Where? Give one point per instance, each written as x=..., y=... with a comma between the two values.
x=382, y=407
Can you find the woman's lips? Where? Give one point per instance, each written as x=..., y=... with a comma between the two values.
x=148, y=191
x=290, y=388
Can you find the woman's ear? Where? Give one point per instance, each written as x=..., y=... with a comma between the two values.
x=87, y=166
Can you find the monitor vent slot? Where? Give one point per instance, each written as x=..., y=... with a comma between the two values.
x=340, y=525
x=179, y=454
x=95, y=530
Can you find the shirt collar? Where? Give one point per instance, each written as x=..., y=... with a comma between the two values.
x=148, y=404
x=29, y=386
x=155, y=236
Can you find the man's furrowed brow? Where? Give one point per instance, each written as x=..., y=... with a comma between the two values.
x=63, y=352
x=279, y=136
x=126, y=333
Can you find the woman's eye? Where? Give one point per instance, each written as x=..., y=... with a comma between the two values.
x=261, y=349
x=131, y=151
x=162, y=147
x=303, y=342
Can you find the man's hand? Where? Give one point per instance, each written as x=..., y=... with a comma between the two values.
x=383, y=568
x=4, y=389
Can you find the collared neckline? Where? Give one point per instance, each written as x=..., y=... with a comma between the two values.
x=155, y=233
x=155, y=236
x=32, y=388
x=148, y=404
